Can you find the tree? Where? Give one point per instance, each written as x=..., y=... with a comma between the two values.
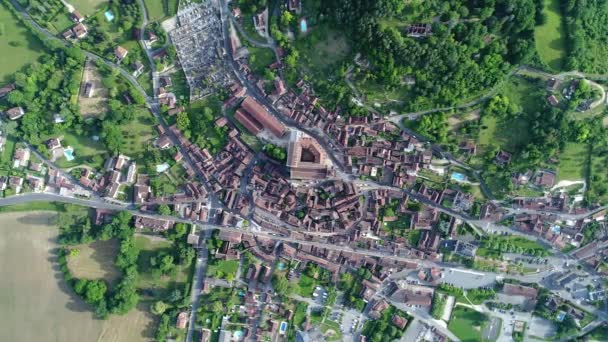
x=164, y=209
x=112, y=136
x=281, y=285
x=183, y=121
x=159, y=307
x=217, y=306
x=95, y=291
x=286, y=18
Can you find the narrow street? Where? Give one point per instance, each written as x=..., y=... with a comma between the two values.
x=197, y=284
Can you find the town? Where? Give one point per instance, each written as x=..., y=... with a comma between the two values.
x=285, y=214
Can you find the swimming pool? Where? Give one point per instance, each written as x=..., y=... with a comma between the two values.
x=459, y=177
x=303, y=26
x=68, y=152
x=281, y=266
x=109, y=15
x=162, y=167
x=283, y=327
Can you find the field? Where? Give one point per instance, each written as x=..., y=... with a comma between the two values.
x=573, y=162
x=148, y=247
x=97, y=105
x=18, y=46
x=88, y=7
x=322, y=48
x=139, y=132
x=550, y=37
x=95, y=261
x=86, y=151
x=467, y=324
x=225, y=269
x=160, y=9
x=260, y=59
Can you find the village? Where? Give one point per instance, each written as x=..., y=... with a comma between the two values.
x=310, y=223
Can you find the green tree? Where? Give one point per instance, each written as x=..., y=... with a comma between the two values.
x=159, y=307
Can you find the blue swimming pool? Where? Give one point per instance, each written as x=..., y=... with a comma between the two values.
x=283, y=327
x=281, y=266
x=303, y=25
x=109, y=15
x=69, y=153
x=459, y=177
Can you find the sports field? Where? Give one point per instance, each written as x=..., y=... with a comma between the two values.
x=18, y=46
x=550, y=37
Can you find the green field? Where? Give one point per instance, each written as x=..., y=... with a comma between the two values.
x=160, y=9
x=139, y=132
x=573, y=162
x=224, y=269
x=88, y=7
x=550, y=37
x=19, y=47
x=322, y=48
x=260, y=59
x=86, y=151
x=150, y=246
x=467, y=324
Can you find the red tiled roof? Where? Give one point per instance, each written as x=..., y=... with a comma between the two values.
x=260, y=113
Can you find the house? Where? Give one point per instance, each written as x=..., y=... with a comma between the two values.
x=21, y=157
x=295, y=6
x=152, y=37
x=164, y=142
x=545, y=178
x=503, y=158
x=553, y=100
x=53, y=143
x=138, y=67
x=120, y=53
x=80, y=31
x=256, y=115
x=399, y=322
x=236, y=12
x=7, y=89
x=165, y=81
x=3, y=182
x=182, y=320
x=76, y=17
x=176, y=110
x=15, y=113
x=89, y=89
x=16, y=183
x=468, y=147
x=157, y=225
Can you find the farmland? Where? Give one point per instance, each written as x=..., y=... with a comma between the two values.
x=19, y=47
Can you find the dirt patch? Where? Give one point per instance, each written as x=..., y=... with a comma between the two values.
x=456, y=120
x=96, y=261
x=97, y=104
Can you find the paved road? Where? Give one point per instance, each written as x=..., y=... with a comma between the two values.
x=197, y=285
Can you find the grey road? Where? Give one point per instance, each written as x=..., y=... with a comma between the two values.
x=197, y=285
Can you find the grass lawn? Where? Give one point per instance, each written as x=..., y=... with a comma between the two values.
x=160, y=9
x=148, y=247
x=61, y=22
x=180, y=85
x=260, y=59
x=95, y=261
x=573, y=162
x=306, y=285
x=322, y=48
x=329, y=328
x=222, y=268
x=139, y=132
x=88, y=7
x=86, y=151
x=467, y=324
x=19, y=47
x=550, y=37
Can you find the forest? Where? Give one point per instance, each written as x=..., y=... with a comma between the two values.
x=587, y=39
x=471, y=47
